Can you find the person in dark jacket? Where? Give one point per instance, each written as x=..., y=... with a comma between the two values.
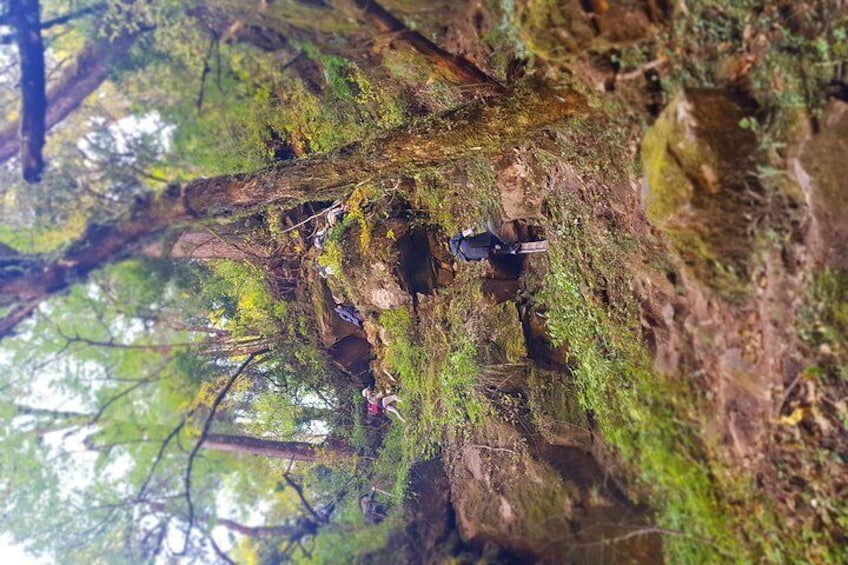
x=373, y=511
x=466, y=246
x=348, y=314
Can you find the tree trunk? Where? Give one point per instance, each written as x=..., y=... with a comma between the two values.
x=453, y=68
x=26, y=17
x=91, y=68
x=207, y=245
x=476, y=129
x=292, y=450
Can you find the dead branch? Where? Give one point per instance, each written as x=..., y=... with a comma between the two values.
x=207, y=425
x=299, y=491
x=335, y=204
x=634, y=74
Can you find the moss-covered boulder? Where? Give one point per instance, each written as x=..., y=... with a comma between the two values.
x=822, y=172
x=701, y=189
x=557, y=30
x=542, y=504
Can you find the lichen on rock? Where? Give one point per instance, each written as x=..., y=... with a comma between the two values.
x=700, y=187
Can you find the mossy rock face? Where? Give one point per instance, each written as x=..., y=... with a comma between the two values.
x=823, y=179
x=554, y=30
x=502, y=494
x=701, y=189
x=545, y=504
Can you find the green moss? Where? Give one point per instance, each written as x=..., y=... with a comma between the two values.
x=438, y=368
x=831, y=290
x=551, y=30
x=695, y=158
x=555, y=407
x=284, y=14
x=669, y=189
x=332, y=258
x=825, y=324
x=506, y=335
x=456, y=200
x=645, y=417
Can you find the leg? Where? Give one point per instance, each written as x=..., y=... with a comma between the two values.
x=391, y=408
x=390, y=399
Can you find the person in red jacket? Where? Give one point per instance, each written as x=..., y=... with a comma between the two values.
x=378, y=402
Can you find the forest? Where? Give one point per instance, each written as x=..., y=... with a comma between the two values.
x=236, y=325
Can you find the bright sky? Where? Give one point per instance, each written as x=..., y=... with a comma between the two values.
x=11, y=554
x=123, y=131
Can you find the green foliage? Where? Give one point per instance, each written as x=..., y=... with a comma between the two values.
x=350, y=541
x=439, y=368
x=827, y=311
x=112, y=350
x=332, y=257
x=349, y=538
x=272, y=413
x=244, y=306
x=810, y=453
x=645, y=417
x=801, y=49
x=259, y=106
x=455, y=204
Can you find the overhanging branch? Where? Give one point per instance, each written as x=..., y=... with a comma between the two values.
x=205, y=432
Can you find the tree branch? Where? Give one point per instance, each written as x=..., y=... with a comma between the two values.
x=205, y=431
x=123, y=393
x=8, y=38
x=205, y=72
x=52, y=414
x=161, y=454
x=299, y=490
x=219, y=552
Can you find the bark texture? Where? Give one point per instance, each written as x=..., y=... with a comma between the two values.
x=291, y=450
x=90, y=69
x=454, y=68
x=26, y=18
x=208, y=245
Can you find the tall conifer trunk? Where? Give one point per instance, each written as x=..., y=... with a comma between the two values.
x=291, y=450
